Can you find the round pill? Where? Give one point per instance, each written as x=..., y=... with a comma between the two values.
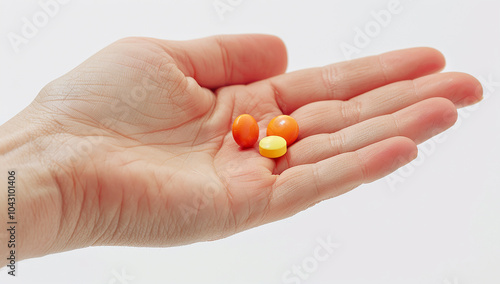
x=284, y=126
x=272, y=146
x=245, y=130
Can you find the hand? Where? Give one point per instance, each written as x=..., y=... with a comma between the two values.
x=134, y=146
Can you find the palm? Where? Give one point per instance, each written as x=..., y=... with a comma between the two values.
x=166, y=159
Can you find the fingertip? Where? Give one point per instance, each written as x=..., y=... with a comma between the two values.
x=423, y=61
x=384, y=157
x=465, y=88
x=401, y=147
x=442, y=110
x=448, y=114
x=435, y=57
x=426, y=118
x=469, y=87
x=407, y=148
x=255, y=56
x=406, y=153
x=276, y=49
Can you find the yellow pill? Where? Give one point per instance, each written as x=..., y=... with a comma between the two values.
x=272, y=146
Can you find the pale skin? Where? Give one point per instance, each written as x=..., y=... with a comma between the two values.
x=134, y=146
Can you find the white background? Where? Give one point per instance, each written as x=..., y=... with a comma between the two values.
x=435, y=221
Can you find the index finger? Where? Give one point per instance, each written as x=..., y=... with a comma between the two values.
x=345, y=80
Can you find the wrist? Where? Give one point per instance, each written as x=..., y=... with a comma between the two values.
x=29, y=215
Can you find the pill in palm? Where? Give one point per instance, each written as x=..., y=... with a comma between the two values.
x=245, y=130
x=272, y=146
x=284, y=126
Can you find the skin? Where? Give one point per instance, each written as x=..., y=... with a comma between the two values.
x=134, y=146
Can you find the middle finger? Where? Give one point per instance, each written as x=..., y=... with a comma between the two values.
x=331, y=116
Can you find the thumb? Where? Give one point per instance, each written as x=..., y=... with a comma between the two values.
x=229, y=59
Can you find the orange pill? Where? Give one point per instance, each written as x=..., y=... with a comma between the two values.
x=245, y=130
x=284, y=126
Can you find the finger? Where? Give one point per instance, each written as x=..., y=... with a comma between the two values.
x=418, y=122
x=229, y=59
x=303, y=186
x=345, y=80
x=462, y=89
